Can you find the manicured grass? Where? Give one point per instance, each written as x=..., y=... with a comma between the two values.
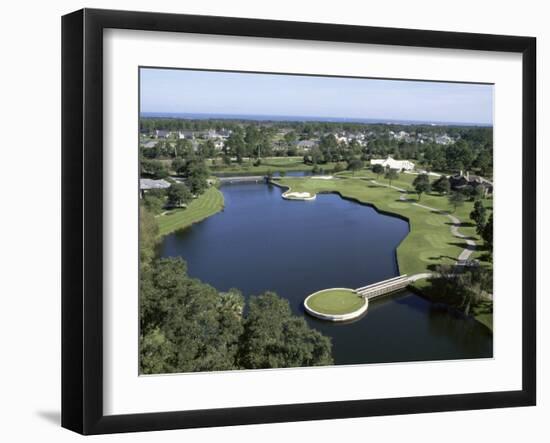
x=200, y=208
x=336, y=301
x=430, y=241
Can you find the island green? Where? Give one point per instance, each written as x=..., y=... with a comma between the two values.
x=336, y=301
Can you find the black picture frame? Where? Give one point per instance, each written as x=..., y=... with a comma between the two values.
x=82, y=218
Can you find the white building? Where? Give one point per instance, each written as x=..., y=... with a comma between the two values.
x=183, y=135
x=401, y=165
x=146, y=184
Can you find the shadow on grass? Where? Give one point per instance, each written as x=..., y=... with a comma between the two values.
x=433, y=267
x=484, y=247
x=461, y=225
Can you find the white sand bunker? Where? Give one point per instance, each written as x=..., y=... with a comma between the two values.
x=298, y=196
x=323, y=177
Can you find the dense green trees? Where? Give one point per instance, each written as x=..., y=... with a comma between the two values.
x=442, y=185
x=456, y=199
x=329, y=148
x=487, y=233
x=465, y=288
x=148, y=232
x=178, y=165
x=355, y=165
x=459, y=156
x=378, y=169
x=391, y=175
x=422, y=184
x=471, y=149
x=196, y=174
x=479, y=216
x=236, y=146
x=484, y=161
x=153, y=203
x=188, y=326
x=274, y=338
x=153, y=168
x=178, y=194
x=183, y=326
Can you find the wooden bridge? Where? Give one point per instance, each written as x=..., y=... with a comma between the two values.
x=385, y=286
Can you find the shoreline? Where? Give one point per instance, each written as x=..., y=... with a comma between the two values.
x=417, y=289
x=200, y=216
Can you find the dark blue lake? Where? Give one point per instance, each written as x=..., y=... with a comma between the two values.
x=262, y=242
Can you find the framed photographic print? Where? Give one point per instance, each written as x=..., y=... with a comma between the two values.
x=269, y=221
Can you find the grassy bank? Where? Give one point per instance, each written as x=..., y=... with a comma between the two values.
x=200, y=208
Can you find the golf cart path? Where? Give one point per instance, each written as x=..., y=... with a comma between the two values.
x=470, y=244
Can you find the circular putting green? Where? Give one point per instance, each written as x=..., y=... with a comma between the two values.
x=337, y=304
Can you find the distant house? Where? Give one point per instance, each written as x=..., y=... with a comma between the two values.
x=189, y=135
x=460, y=181
x=401, y=135
x=443, y=140
x=306, y=145
x=224, y=133
x=161, y=133
x=146, y=184
x=210, y=134
x=341, y=138
x=389, y=162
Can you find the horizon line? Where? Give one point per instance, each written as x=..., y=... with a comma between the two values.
x=309, y=118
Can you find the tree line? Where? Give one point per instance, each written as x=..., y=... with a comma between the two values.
x=187, y=325
x=471, y=149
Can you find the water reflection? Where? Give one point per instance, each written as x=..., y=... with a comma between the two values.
x=261, y=242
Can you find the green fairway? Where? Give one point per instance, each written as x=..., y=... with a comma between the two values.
x=430, y=241
x=200, y=208
x=336, y=301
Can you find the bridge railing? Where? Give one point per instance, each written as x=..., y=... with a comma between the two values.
x=389, y=280
x=384, y=287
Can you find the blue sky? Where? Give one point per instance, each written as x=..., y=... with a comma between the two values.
x=204, y=92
